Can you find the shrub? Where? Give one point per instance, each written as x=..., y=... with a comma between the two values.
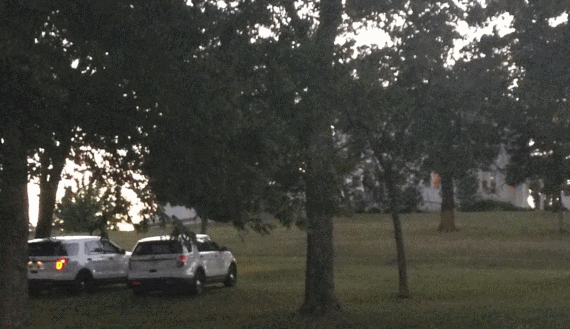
x=411, y=200
x=374, y=210
x=490, y=205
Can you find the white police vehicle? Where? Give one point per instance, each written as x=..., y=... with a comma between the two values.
x=75, y=263
x=180, y=263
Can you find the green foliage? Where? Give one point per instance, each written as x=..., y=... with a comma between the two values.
x=489, y=205
x=467, y=187
x=181, y=231
x=420, y=110
x=411, y=200
x=91, y=207
x=239, y=147
x=540, y=122
x=108, y=98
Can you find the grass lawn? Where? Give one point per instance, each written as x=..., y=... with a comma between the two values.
x=501, y=270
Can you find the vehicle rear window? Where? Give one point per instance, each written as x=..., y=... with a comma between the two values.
x=52, y=248
x=158, y=248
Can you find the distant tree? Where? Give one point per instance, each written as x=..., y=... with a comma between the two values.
x=378, y=115
x=78, y=211
x=457, y=99
x=540, y=143
x=462, y=119
x=411, y=199
x=92, y=206
x=420, y=108
x=543, y=160
x=467, y=187
x=374, y=188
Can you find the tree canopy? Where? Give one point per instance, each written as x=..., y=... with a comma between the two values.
x=539, y=124
x=75, y=75
x=235, y=121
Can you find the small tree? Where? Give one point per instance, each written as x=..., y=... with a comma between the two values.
x=91, y=207
x=467, y=190
x=411, y=199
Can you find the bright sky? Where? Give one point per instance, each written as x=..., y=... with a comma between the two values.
x=502, y=24
x=34, y=191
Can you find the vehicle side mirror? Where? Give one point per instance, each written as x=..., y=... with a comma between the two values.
x=222, y=249
x=122, y=251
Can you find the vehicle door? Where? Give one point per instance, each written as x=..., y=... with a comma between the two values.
x=100, y=262
x=219, y=261
x=209, y=258
x=117, y=257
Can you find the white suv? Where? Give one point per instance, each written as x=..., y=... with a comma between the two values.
x=76, y=263
x=180, y=264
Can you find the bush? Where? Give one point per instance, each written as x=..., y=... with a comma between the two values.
x=411, y=200
x=490, y=205
x=467, y=189
x=554, y=207
x=374, y=210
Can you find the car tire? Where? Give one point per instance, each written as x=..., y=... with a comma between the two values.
x=197, y=287
x=231, y=278
x=83, y=282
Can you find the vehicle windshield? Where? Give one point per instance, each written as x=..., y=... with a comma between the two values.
x=158, y=248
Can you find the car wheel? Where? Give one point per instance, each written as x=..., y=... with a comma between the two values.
x=83, y=282
x=231, y=278
x=198, y=284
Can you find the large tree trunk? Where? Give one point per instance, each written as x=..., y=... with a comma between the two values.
x=52, y=163
x=48, y=192
x=447, y=223
x=321, y=187
x=14, y=223
x=320, y=190
x=319, y=275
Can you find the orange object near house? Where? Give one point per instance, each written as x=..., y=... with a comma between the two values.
x=435, y=180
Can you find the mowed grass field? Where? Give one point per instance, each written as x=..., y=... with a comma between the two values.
x=501, y=270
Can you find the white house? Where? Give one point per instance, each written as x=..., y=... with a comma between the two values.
x=491, y=186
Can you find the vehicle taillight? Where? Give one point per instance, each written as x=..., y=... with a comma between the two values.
x=60, y=263
x=181, y=260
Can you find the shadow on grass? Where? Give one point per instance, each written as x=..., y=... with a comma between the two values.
x=61, y=292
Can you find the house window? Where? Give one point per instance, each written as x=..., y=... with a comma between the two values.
x=435, y=180
x=484, y=186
